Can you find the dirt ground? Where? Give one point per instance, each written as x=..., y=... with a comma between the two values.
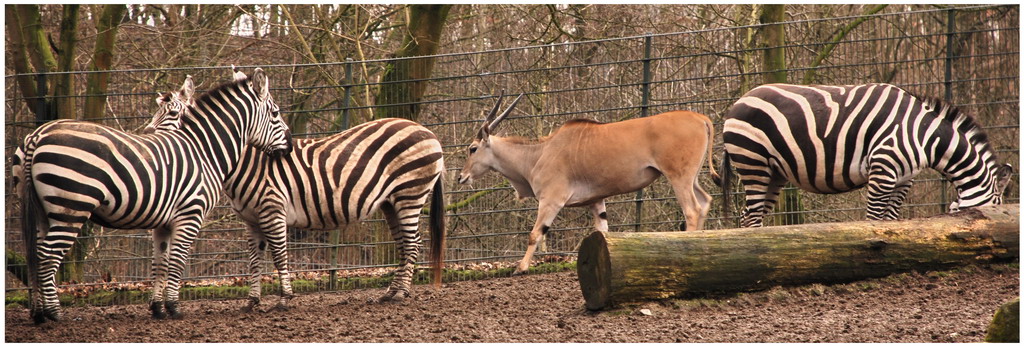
x=953, y=306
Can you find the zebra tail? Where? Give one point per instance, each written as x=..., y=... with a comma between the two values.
x=726, y=184
x=437, y=231
x=30, y=218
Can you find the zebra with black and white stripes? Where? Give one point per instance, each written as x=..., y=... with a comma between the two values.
x=76, y=171
x=169, y=107
x=833, y=139
x=393, y=165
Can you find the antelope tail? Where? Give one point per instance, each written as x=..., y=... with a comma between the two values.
x=437, y=231
x=711, y=163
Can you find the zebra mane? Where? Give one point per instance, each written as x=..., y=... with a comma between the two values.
x=221, y=88
x=165, y=96
x=968, y=125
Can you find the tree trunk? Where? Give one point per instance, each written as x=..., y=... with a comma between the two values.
x=774, y=40
x=621, y=267
x=103, y=56
x=63, y=85
x=19, y=56
x=790, y=203
x=41, y=56
x=397, y=95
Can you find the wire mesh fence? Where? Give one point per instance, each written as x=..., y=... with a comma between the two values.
x=969, y=56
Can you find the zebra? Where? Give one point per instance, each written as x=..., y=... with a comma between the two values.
x=391, y=165
x=170, y=106
x=75, y=171
x=833, y=139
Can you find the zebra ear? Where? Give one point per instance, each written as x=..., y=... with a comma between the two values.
x=261, y=84
x=187, y=89
x=237, y=75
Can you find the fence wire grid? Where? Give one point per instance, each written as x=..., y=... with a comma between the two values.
x=973, y=62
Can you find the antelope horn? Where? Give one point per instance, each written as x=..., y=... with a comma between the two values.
x=494, y=124
x=494, y=110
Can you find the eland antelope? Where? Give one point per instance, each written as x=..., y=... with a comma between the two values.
x=584, y=162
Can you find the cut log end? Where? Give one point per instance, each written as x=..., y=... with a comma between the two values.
x=593, y=267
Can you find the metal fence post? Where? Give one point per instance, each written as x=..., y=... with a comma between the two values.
x=645, y=100
x=348, y=93
x=336, y=234
x=950, y=27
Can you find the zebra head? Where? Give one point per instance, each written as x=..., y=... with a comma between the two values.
x=1002, y=177
x=481, y=157
x=171, y=106
x=270, y=132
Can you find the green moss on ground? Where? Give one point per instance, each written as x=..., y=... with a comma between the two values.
x=112, y=297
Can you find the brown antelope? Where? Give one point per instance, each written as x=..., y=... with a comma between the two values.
x=584, y=162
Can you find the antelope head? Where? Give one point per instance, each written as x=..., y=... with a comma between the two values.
x=481, y=155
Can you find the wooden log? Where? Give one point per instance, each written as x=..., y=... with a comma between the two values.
x=1005, y=325
x=623, y=267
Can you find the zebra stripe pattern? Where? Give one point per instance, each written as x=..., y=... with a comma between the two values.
x=168, y=181
x=170, y=107
x=327, y=183
x=833, y=139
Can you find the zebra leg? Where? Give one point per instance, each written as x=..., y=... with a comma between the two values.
x=896, y=200
x=35, y=289
x=404, y=224
x=181, y=242
x=771, y=194
x=761, y=197
x=257, y=245
x=63, y=230
x=160, y=245
x=881, y=186
x=275, y=233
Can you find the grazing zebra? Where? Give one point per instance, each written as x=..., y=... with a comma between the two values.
x=327, y=183
x=77, y=171
x=832, y=139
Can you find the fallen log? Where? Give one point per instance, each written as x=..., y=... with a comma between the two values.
x=624, y=267
x=1005, y=325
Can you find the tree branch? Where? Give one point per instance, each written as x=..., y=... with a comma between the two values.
x=809, y=75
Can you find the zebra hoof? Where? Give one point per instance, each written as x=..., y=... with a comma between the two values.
x=157, y=309
x=38, y=317
x=281, y=307
x=52, y=314
x=172, y=310
x=254, y=302
x=397, y=296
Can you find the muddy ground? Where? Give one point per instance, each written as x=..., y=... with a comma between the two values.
x=953, y=306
